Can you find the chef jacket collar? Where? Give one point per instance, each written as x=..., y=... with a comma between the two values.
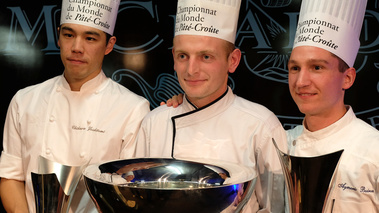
x=195, y=107
x=193, y=115
x=330, y=130
x=94, y=85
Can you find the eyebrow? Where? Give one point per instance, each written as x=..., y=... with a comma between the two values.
x=86, y=32
x=310, y=61
x=207, y=51
x=319, y=60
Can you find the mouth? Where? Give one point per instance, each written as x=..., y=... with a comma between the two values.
x=76, y=61
x=305, y=94
x=194, y=81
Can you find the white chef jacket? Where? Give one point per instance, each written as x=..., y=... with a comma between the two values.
x=230, y=129
x=356, y=181
x=68, y=127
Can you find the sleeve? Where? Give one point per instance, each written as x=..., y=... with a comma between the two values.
x=132, y=128
x=271, y=187
x=142, y=142
x=376, y=186
x=11, y=156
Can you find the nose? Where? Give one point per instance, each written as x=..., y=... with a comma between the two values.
x=77, y=45
x=193, y=66
x=303, y=78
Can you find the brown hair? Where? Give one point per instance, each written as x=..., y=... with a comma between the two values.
x=229, y=47
x=342, y=65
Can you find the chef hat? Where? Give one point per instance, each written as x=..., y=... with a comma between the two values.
x=99, y=14
x=334, y=26
x=215, y=18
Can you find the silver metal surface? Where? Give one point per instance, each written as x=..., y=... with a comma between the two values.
x=308, y=180
x=54, y=185
x=169, y=185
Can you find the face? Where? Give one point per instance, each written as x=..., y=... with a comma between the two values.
x=316, y=84
x=82, y=51
x=202, y=64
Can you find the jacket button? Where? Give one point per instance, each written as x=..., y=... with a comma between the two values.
x=82, y=154
x=48, y=151
x=294, y=143
x=52, y=118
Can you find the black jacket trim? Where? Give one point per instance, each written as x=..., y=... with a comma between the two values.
x=189, y=113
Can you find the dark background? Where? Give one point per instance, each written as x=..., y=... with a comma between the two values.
x=142, y=61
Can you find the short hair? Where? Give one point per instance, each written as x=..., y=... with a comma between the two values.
x=108, y=36
x=229, y=47
x=342, y=65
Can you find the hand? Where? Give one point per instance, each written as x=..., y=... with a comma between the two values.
x=240, y=195
x=175, y=101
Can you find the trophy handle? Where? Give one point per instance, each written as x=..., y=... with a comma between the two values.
x=55, y=185
x=308, y=179
x=48, y=194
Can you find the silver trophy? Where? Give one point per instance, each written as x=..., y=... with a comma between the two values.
x=308, y=180
x=54, y=185
x=145, y=185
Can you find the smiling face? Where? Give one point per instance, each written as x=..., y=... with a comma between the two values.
x=202, y=64
x=82, y=52
x=316, y=84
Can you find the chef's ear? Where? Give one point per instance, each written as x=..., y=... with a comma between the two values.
x=234, y=60
x=110, y=44
x=59, y=31
x=349, y=78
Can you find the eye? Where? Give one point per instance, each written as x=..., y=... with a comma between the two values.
x=208, y=58
x=317, y=67
x=91, y=39
x=293, y=68
x=67, y=35
x=182, y=56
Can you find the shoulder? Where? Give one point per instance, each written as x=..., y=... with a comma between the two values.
x=364, y=140
x=117, y=90
x=161, y=112
x=365, y=131
x=37, y=89
x=364, y=126
x=254, y=110
x=250, y=107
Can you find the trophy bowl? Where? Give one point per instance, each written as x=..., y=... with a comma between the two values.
x=169, y=185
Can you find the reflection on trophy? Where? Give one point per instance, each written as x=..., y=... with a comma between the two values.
x=308, y=180
x=146, y=185
x=54, y=185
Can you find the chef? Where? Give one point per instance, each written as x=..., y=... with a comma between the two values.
x=212, y=122
x=76, y=118
x=320, y=71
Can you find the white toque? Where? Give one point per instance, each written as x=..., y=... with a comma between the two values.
x=99, y=14
x=215, y=18
x=333, y=25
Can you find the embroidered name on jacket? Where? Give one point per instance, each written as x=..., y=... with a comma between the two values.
x=366, y=190
x=90, y=128
x=362, y=189
x=344, y=187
